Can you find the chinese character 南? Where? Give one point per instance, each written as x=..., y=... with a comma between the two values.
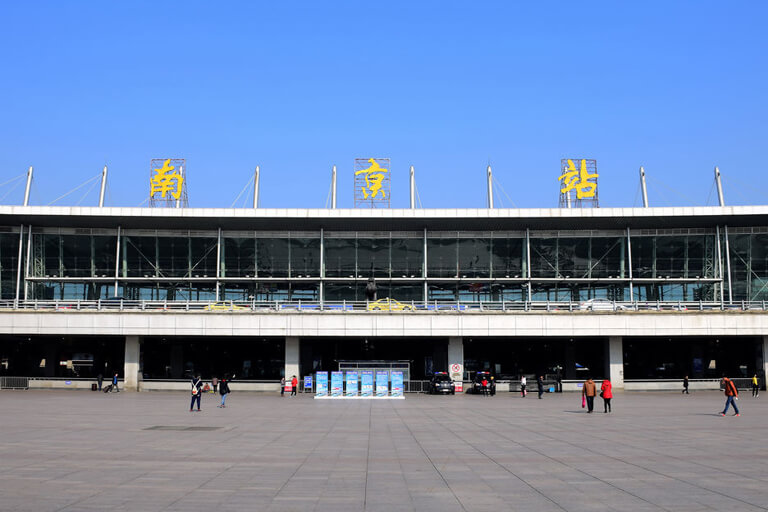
x=163, y=182
x=373, y=178
x=578, y=180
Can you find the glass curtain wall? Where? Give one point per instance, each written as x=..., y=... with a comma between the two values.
x=685, y=254
x=748, y=250
x=9, y=263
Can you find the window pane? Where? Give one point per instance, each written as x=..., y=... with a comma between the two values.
x=474, y=257
x=140, y=256
x=305, y=257
x=272, y=256
x=442, y=257
x=407, y=257
x=239, y=258
x=173, y=256
x=543, y=257
x=507, y=257
x=104, y=248
x=76, y=255
x=373, y=257
x=203, y=254
x=339, y=257
x=9, y=249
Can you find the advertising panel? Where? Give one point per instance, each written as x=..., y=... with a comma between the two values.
x=321, y=384
x=337, y=383
x=382, y=383
x=366, y=383
x=351, y=384
x=307, y=382
x=397, y=383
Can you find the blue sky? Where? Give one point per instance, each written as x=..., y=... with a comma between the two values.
x=448, y=87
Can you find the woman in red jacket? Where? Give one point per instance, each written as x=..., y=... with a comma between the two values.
x=605, y=392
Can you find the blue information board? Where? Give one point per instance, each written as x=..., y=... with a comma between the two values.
x=382, y=383
x=366, y=383
x=307, y=382
x=397, y=383
x=337, y=383
x=321, y=384
x=351, y=384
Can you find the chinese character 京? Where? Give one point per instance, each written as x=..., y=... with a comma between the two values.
x=164, y=181
x=373, y=178
x=579, y=180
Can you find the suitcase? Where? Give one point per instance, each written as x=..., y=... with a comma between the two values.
x=94, y=387
x=108, y=388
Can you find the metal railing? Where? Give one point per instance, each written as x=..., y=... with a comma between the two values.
x=363, y=306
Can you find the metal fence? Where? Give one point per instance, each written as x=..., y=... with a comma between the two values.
x=405, y=307
x=14, y=382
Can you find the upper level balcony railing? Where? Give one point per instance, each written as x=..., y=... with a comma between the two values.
x=381, y=306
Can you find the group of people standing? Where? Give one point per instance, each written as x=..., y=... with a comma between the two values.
x=294, y=385
x=524, y=386
x=589, y=392
x=197, y=391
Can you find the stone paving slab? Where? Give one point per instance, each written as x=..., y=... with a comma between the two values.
x=81, y=451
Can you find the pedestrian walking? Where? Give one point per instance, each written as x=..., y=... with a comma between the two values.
x=100, y=380
x=214, y=384
x=294, y=385
x=197, y=385
x=282, y=386
x=114, y=384
x=606, y=392
x=223, y=391
x=492, y=386
x=588, y=391
x=731, y=395
x=540, y=384
x=523, y=384
x=755, y=387
x=685, y=385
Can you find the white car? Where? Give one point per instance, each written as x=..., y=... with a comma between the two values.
x=600, y=305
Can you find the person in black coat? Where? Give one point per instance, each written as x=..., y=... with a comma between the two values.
x=540, y=383
x=224, y=391
x=197, y=385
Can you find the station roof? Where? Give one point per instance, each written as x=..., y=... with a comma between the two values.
x=385, y=219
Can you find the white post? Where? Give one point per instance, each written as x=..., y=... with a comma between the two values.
x=131, y=366
x=103, y=186
x=719, y=187
x=291, y=357
x=256, y=187
x=333, y=188
x=728, y=264
x=642, y=185
x=29, y=185
x=413, y=189
x=456, y=359
x=490, y=188
x=616, y=361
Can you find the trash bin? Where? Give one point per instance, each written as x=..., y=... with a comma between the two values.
x=94, y=387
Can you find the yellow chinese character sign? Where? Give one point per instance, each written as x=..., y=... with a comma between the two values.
x=372, y=182
x=167, y=186
x=578, y=183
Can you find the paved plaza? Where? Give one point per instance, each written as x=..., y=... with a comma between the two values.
x=86, y=451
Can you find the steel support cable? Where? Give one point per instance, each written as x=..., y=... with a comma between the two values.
x=711, y=189
x=247, y=185
x=11, y=189
x=497, y=182
x=654, y=180
x=13, y=179
x=738, y=190
x=98, y=176
x=418, y=197
x=93, y=185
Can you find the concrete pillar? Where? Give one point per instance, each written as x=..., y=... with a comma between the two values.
x=764, y=367
x=616, y=361
x=131, y=368
x=456, y=358
x=292, y=357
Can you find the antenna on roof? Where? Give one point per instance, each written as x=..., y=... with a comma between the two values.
x=256, y=187
x=413, y=189
x=333, y=188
